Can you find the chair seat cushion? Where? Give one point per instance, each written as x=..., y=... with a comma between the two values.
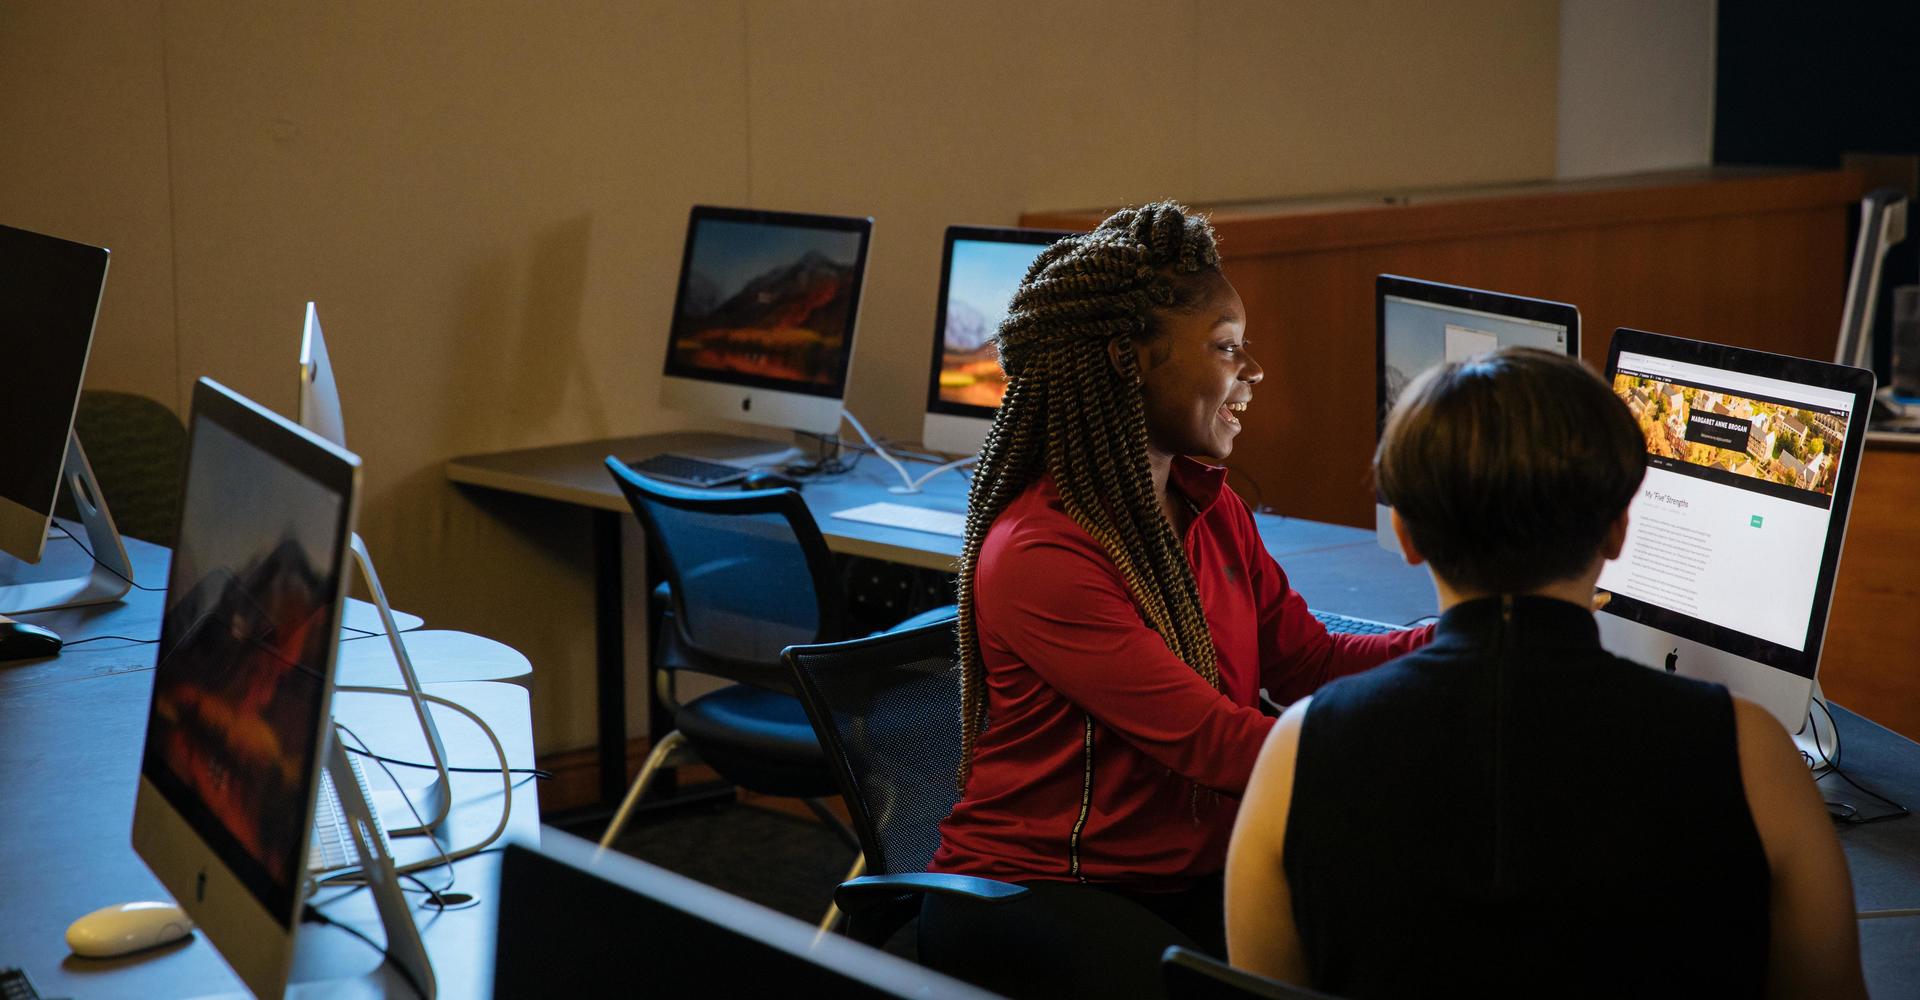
x=759, y=740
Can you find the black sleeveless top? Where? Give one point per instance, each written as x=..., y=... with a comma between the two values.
x=1514, y=811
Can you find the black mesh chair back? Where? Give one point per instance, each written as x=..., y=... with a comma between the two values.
x=749, y=574
x=887, y=710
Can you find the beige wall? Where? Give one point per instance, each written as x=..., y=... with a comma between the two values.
x=487, y=199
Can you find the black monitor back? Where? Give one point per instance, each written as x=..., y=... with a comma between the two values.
x=573, y=926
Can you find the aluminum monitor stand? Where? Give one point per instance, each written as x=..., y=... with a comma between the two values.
x=108, y=577
x=404, y=947
x=437, y=801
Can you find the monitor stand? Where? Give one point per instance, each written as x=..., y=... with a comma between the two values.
x=1818, y=741
x=322, y=954
x=109, y=574
x=436, y=802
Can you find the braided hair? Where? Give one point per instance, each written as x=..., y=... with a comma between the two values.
x=1068, y=412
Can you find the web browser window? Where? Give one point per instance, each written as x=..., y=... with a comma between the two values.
x=1730, y=524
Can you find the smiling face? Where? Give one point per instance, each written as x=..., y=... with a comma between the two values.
x=1198, y=376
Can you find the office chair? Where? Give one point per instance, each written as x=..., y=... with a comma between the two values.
x=887, y=710
x=138, y=450
x=1191, y=975
x=747, y=574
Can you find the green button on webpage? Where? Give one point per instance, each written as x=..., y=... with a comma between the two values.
x=1756, y=521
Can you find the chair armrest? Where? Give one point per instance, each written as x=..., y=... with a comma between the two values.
x=869, y=891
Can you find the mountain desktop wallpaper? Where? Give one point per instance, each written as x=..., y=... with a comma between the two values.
x=768, y=301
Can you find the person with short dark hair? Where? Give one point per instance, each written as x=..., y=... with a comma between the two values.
x=1511, y=810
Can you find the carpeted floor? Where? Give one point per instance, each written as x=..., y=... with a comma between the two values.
x=780, y=862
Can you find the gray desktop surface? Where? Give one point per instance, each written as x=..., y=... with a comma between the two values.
x=574, y=474
x=71, y=728
x=71, y=734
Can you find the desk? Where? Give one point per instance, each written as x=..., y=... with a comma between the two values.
x=71, y=732
x=1338, y=568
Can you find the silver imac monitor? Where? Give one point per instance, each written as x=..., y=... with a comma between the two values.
x=764, y=318
x=1419, y=324
x=980, y=269
x=1734, y=538
x=320, y=410
x=243, y=685
x=49, y=297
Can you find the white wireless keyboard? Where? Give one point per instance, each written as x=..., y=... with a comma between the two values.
x=898, y=515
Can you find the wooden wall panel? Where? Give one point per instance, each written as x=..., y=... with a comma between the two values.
x=1871, y=661
x=1751, y=259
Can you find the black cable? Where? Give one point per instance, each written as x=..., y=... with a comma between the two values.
x=75, y=539
x=99, y=638
x=314, y=914
x=445, y=862
x=535, y=771
x=1852, y=817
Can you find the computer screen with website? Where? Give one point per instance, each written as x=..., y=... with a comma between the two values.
x=1734, y=538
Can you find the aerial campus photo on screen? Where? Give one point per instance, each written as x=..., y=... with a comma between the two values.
x=768, y=301
x=1758, y=439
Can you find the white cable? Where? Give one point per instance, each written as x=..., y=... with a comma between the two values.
x=908, y=483
x=506, y=781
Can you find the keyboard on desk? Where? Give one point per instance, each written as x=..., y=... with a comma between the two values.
x=1353, y=626
x=332, y=844
x=899, y=515
x=697, y=472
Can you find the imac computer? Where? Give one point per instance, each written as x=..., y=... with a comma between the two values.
x=762, y=331
x=1420, y=324
x=238, y=730
x=50, y=292
x=980, y=269
x=321, y=413
x=1734, y=538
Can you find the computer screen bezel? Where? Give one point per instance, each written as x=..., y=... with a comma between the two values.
x=253, y=929
x=1447, y=296
x=971, y=234
x=23, y=523
x=1857, y=382
x=861, y=226
x=1436, y=293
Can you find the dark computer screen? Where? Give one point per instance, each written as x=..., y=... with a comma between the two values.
x=768, y=299
x=981, y=270
x=575, y=923
x=239, y=691
x=49, y=295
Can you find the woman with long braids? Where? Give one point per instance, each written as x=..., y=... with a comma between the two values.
x=1118, y=618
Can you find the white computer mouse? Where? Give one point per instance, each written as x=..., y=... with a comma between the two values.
x=124, y=927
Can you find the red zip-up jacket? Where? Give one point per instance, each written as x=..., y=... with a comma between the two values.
x=1096, y=733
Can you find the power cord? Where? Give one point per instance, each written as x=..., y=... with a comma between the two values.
x=537, y=772
x=506, y=776
x=75, y=539
x=103, y=638
x=908, y=483
x=1851, y=816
